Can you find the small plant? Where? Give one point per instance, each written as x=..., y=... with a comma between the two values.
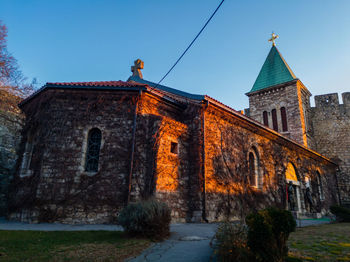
x=231, y=242
x=268, y=233
x=146, y=218
x=342, y=213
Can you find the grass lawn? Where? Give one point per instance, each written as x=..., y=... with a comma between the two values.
x=330, y=242
x=68, y=246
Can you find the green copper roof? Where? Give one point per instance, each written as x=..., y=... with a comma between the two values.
x=274, y=71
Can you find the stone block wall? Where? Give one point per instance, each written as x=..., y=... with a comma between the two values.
x=295, y=98
x=57, y=188
x=10, y=136
x=331, y=130
x=229, y=140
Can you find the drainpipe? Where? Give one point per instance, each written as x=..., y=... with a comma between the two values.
x=204, y=209
x=133, y=145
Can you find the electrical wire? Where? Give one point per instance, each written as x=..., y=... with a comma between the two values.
x=177, y=61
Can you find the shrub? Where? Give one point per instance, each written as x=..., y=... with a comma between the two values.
x=146, y=218
x=342, y=213
x=231, y=242
x=268, y=233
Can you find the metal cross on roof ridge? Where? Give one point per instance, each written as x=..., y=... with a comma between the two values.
x=273, y=38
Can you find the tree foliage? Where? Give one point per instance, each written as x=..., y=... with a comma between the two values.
x=13, y=85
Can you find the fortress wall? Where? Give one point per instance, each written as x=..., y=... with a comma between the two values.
x=331, y=131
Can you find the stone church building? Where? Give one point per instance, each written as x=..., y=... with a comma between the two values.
x=89, y=148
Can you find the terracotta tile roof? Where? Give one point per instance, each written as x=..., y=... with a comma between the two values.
x=112, y=85
x=97, y=84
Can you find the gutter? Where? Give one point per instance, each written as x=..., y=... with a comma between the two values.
x=133, y=146
x=204, y=208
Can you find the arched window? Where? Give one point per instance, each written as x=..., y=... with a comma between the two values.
x=27, y=165
x=274, y=120
x=265, y=118
x=291, y=174
x=284, y=119
x=93, y=150
x=253, y=168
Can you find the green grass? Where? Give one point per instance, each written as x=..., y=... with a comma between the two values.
x=329, y=242
x=68, y=246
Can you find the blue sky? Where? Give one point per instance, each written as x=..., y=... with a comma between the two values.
x=86, y=40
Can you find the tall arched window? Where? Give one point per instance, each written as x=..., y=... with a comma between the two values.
x=253, y=168
x=27, y=155
x=93, y=150
x=274, y=120
x=284, y=119
x=265, y=118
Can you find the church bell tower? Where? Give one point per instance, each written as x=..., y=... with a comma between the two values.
x=279, y=100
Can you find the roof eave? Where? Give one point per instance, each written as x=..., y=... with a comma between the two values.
x=51, y=86
x=272, y=87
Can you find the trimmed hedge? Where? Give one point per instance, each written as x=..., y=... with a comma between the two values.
x=146, y=218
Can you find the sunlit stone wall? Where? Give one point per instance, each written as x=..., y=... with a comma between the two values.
x=229, y=139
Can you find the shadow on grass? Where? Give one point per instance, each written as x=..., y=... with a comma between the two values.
x=68, y=246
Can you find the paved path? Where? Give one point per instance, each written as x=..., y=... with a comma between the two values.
x=187, y=243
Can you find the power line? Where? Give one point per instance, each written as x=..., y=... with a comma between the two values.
x=191, y=43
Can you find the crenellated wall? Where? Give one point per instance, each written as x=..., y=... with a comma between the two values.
x=330, y=122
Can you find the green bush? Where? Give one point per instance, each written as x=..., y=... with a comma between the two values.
x=147, y=218
x=231, y=242
x=268, y=233
x=342, y=213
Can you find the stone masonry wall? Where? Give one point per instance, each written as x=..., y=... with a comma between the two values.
x=169, y=175
x=11, y=121
x=295, y=98
x=228, y=143
x=331, y=130
x=10, y=137
x=58, y=189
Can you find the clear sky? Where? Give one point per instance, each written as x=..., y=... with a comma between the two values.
x=85, y=40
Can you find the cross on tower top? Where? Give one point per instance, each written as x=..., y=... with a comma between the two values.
x=136, y=68
x=273, y=38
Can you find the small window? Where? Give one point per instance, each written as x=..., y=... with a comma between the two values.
x=265, y=118
x=284, y=119
x=274, y=120
x=174, y=148
x=93, y=150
